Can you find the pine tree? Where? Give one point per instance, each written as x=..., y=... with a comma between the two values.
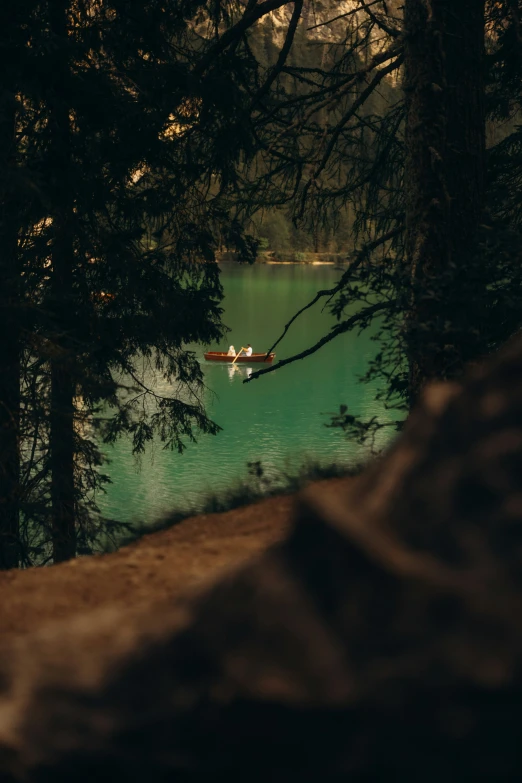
x=14, y=195
x=129, y=135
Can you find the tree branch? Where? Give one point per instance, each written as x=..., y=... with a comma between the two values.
x=359, y=258
x=379, y=76
x=338, y=91
x=283, y=54
x=391, y=31
x=231, y=35
x=344, y=326
x=341, y=16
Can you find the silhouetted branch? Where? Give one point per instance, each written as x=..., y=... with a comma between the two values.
x=337, y=91
x=391, y=31
x=359, y=258
x=283, y=54
x=379, y=76
x=235, y=32
x=344, y=326
x=341, y=16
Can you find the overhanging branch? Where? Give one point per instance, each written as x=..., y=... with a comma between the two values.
x=344, y=326
x=235, y=32
x=391, y=31
x=330, y=292
x=283, y=54
x=340, y=16
x=379, y=76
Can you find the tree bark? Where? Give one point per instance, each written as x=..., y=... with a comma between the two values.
x=9, y=339
x=62, y=463
x=61, y=438
x=444, y=178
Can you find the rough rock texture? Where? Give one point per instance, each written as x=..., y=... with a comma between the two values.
x=380, y=641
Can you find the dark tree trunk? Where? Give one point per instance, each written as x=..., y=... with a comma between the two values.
x=444, y=178
x=9, y=340
x=61, y=439
x=62, y=462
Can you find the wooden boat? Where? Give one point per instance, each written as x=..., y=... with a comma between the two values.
x=222, y=356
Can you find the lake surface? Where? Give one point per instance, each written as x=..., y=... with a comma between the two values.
x=278, y=419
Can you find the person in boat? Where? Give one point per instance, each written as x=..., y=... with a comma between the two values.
x=248, y=351
x=231, y=351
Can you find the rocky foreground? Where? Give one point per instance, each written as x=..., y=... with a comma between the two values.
x=375, y=638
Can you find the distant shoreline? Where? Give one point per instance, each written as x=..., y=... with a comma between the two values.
x=285, y=259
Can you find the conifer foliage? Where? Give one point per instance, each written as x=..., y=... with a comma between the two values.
x=118, y=135
x=436, y=240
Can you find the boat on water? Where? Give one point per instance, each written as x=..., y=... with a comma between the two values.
x=222, y=356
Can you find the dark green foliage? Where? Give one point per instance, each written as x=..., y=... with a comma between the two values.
x=138, y=286
x=128, y=135
x=365, y=433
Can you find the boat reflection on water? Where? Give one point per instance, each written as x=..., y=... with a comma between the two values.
x=239, y=369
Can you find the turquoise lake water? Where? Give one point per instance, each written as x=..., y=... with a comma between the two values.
x=278, y=419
